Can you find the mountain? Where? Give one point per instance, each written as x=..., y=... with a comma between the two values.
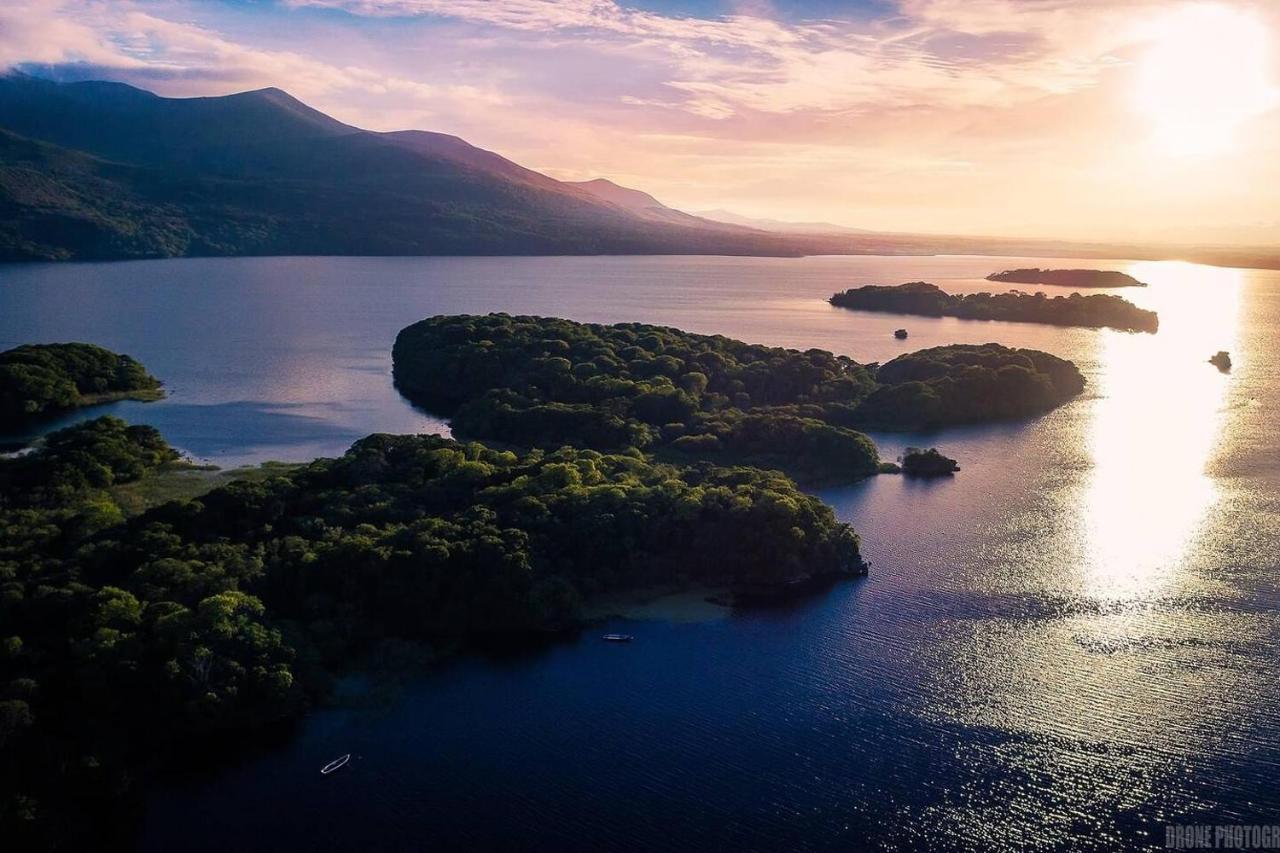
x=98, y=170
x=777, y=226
x=643, y=205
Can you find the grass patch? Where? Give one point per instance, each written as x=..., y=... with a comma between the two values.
x=184, y=481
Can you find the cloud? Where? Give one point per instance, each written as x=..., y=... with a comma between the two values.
x=939, y=52
x=122, y=40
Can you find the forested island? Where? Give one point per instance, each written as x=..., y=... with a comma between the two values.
x=43, y=379
x=927, y=463
x=125, y=638
x=129, y=634
x=543, y=382
x=1098, y=310
x=1067, y=278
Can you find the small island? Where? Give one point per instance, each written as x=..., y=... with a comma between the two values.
x=1099, y=310
x=1067, y=278
x=38, y=380
x=1221, y=360
x=927, y=463
x=545, y=382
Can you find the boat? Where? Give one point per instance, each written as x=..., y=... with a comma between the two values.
x=336, y=764
x=900, y=334
x=618, y=638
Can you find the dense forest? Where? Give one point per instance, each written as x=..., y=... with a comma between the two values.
x=40, y=379
x=1067, y=278
x=1098, y=310
x=125, y=637
x=533, y=381
x=927, y=463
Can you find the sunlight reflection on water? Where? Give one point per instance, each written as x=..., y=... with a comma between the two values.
x=1064, y=647
x=1154, y=430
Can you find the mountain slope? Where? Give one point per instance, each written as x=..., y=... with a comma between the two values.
x=643, y=205
x=99, y=171
x=103, y=170
x=778, y=226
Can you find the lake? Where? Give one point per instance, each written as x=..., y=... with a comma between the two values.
x=1070, y=645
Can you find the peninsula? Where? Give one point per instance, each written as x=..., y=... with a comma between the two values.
x=127, y=639
x=43, y=379
x=1067, y=278
x=544, y=382
x=1096, y=311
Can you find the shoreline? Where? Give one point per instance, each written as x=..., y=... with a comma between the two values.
x=668, y=603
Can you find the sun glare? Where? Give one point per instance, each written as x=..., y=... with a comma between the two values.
x=1205, y=74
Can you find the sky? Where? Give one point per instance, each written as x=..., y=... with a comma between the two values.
x=1154, y=120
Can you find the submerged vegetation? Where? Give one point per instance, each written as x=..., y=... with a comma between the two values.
x=42, y=379
x=122, y=636
x=1067, y=278
x=543, y=382
x=1098, y=310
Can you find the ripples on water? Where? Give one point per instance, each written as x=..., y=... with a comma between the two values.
x=1067, y=646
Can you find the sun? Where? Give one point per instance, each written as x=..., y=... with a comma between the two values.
x=1206, y=72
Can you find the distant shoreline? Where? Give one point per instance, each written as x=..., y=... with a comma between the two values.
x=1227, y=258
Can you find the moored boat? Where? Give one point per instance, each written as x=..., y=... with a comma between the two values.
x=336, y=764
x=618, y=638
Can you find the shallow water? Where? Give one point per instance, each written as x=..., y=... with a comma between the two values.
x=1069, y=645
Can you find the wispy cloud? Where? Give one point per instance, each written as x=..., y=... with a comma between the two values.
x=124, y=40
x=718, y=67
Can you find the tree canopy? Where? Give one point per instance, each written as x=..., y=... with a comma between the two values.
x=927, y=463
x=1097, y=310
x=39, y=379
x=121, y=636
x=543, y=382
x=1067, y=278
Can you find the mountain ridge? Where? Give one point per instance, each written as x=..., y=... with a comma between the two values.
x=101, y=170
x=260, y=172
x=777, y=226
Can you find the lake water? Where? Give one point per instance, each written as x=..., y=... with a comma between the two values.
x=1068, y=646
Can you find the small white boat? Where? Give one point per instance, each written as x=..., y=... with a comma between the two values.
x=336, y=764
x=618, y=638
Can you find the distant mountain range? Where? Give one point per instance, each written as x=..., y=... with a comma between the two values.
x=778, y=225
x=98, y=170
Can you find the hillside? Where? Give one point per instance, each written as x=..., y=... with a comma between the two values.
x=99, y=170
x=103, y=170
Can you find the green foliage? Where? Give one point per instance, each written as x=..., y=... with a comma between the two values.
x=544, y=382
x=1098, y=310
x=967, y=383
x=95, y=454
x=1067, y=278
x=927, y=463
x=42, y=378
x=125, y=637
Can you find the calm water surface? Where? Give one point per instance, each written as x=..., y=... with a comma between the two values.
x=1066, y=647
